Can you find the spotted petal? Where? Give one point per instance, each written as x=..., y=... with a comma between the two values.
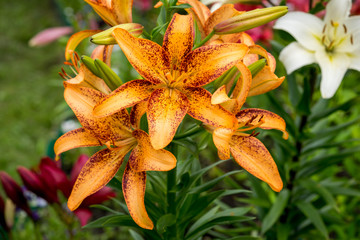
x=134, y=184
x=126, y=95
x=166, y=109
x=253, y=156
x=148, y=58
x=178, y=39
x=207, y=63
x=145, y=158
x=269, y=120
x=96, y=173
x=75, y=139
x=200, y=108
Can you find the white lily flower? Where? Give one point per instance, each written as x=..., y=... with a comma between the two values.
x=333, y=43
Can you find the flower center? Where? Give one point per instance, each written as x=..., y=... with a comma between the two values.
x=334, y=34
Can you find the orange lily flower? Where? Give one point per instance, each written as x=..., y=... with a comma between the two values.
x=119, y=137
x=262, y=82
x=113, y=12
x=173, y=76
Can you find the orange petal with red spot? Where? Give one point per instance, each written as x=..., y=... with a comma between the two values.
x=82, y=101
x=200, y=108
x=126, y=95
x=75, y=139
x=134, y=184
x=166, y=110
x=222, y=138
x=145, y=158
x=269, y=120
x=148, y=58
x=137, y=111
x=178, y=39
x=205, y=64
x=253, y=156
x=95, y=174
x=75, y=39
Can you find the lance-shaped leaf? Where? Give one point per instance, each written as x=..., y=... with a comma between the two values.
x=253, y=156
x=96, y=173
x=134, y=192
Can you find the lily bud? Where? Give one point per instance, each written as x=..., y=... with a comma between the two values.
x=249, y=20
x=106, y=38
x=15, y=193
x=108, y=75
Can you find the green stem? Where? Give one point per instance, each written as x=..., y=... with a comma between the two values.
x=207, y=38
x=189, y=133
x=171, y=196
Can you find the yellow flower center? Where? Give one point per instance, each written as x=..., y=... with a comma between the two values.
x=334, y=34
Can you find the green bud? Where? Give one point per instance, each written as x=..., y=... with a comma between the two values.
x=106, y=38
x=90, y=64
x=257, y=66
x=249, y=20
x=108, y=75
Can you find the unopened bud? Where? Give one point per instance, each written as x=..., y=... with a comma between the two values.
x=106, y=38
x=249, y=20
x=108, y=75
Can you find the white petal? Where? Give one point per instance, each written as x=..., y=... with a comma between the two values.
x=337, y=10
x=352, y=24
x=355, y=60
x=333, y=68
x=304, y=27
x=294, y=56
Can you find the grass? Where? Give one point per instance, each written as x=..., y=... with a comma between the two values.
x=31, y=91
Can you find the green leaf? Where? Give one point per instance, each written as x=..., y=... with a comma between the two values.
x=328, y=111
x=313, y=215
x=303, y=106
x=115, y=183
x=181, y=6
x=321, y=190
x=282, y=231
x=344, y=191
x=157, y=30
x=335, y=129
x=165, y=221
x=105, y=208
x=135, y=235
x=112, y=221
x=275, y=211
x=245, y=238
x=210, y=184
x=293, y=88
x=197, y=39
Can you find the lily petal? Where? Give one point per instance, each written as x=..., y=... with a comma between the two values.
x=304, y=27
x=126, y=95
x=333, y=68
x=295, y=56
x=134, y=184
x=96, y=173
x=148, y=58
x=166, y=110
x=222, y=138
x=207, y=63
x=178, y=39
x=75, y=39
x=253, y=156
x=199, y=12
x=200, y=108
x=75, y=139
x=145, y=158
x=355, y=60
x=264, y=81
x=82, y=101
x=337, y=10
x=223, y=13
x=270, y=120
x=220, y=96
x=103, y=53
x=123, y=10
x=137, y=111
x=242, y=87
